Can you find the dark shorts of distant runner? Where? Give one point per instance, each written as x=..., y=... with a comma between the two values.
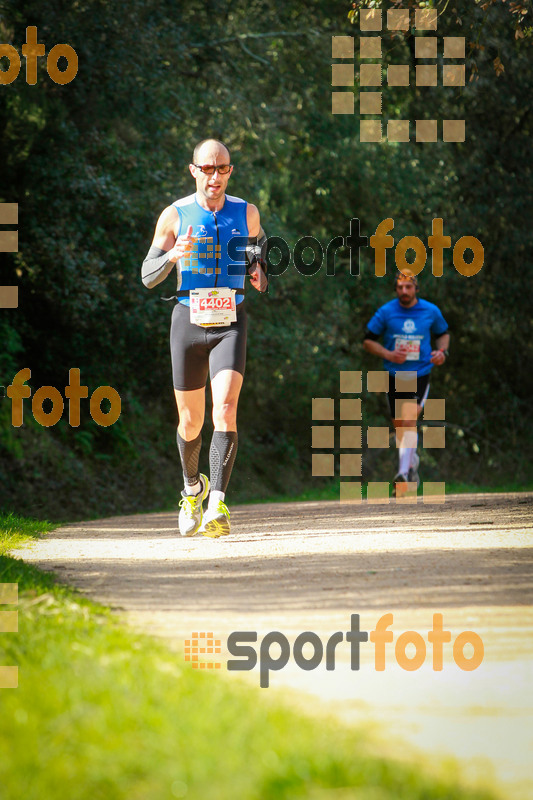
x=197, y=351
x=420, y=395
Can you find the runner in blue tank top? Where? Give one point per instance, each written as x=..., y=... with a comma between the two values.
x=208, y=331
x=407, y=325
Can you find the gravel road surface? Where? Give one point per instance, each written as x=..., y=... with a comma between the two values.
x=308, y=567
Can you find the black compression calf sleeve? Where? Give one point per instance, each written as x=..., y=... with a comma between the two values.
x=190, y=455
x=221, y=457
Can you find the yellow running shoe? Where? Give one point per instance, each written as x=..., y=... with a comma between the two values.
x=216, y=521
x=191, y=511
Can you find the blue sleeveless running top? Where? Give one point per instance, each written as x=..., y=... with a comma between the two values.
x=209, y=264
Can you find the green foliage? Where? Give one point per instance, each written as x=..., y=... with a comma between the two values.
x=94, y=162
x=16, y=530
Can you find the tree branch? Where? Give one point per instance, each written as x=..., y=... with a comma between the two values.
x=270, y=35
x=253, y=55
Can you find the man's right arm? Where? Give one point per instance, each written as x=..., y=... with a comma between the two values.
x=372, y=346
x=165, y=249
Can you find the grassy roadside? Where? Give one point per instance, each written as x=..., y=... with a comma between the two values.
x=331, y=492
x=16, y=530
x=106, y=714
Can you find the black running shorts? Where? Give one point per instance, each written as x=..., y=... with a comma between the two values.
x=195, y=350
x=422, y=389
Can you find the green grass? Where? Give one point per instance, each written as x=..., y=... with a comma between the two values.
x=331, y=492
x=454, y=487
x=16, y=530
x=102, y=713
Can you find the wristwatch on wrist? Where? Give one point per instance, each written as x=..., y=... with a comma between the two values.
x=446, y=352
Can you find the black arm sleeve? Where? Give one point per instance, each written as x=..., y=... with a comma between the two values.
x=156, y=267
x=369, y=335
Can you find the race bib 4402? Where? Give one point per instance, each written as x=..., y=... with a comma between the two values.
x=213, y=307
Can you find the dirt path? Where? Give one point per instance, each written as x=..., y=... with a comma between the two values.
x=308, y=567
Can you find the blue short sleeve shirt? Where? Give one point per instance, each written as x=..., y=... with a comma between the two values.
x=409, y=328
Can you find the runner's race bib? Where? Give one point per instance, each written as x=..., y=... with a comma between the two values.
x=213, y=307
x=411, y=346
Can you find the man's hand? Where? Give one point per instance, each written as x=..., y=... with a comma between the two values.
x=258, y=279
x=437, y=357
x=183, y=245
x=397, y=356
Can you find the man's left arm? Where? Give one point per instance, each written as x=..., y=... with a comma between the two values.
x=258, y=278
x=439, y=328
x=442, y=343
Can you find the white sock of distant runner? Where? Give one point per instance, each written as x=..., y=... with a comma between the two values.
x=407, y=451
x=194, y=489
x=214, y=497
x=405, y=459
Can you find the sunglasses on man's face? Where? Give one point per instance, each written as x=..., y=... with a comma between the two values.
x=222, y=169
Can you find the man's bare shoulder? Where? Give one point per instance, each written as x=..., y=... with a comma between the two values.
x=167, y=228
x=169, y=214
x=252, y=218
x=168, y=219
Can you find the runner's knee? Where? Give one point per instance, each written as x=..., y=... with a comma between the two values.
x=225, y=414
x=191, y=420
x=189, y=430
x=403, y=423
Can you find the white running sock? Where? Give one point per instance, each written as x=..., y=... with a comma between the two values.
x=214, y=497
x=405, y=459
x=409, y=442
x=193, y=489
